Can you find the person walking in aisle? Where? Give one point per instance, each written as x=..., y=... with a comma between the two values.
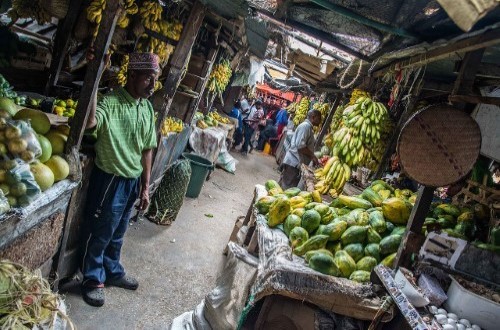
x=236, y=114
x=301, y=150
x=250, y=123
x=123, y=124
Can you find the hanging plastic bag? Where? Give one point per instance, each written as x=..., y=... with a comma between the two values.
x=19, y=185
x=19, y=140
x=4, y=203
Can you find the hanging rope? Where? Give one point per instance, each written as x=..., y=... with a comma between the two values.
x=342, y=78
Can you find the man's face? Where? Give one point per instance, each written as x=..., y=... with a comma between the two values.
x=316, y=120
x=143, y=82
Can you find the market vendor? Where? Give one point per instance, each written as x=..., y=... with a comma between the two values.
x=123, y=124
x=301, y=150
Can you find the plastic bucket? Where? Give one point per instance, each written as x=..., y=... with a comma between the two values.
x=199, y=171
x=267, y=148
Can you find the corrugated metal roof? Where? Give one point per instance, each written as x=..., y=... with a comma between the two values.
x=257, y=36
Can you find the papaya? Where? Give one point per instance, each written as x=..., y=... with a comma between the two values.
x=382, y=183
x=406, y=193
x=345, y=263
x=278, y=211
x=366, y=263
x=465, y=217
x=372, y=196
x=384, y=194
x=298, y=236
x=373, y=209
x=264, y=203
x=297, y=202
x=377, y=222
x=355, y=250
x=276, y=192
x=389, y=260
x=412, y=199
x=333, y=247
x=363, y=218
x=372, y=250
x=450, y=209
x=291, y=192
x=272, y=184
x=336, y=203
x=311, y=205
x=316, y=196
x=299, y=212
x=360, y=276
x=328, y=217
x=291, y=222
x=306, y=195
x=335, y=230
x=396, y=210
x=437, y=212
x=390, y=227
x=311, y=220
x=372, y=236
x=354, y=234
x=309, y=254
x=313, y=243
x=399, y=230
x=378, y=187
x=343, y=211
x=355, y=202
x=321, y=208
x=324, y=263
x=390, y=244
x=446, y=221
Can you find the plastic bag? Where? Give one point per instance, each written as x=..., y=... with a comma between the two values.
x=19, y=184
x=19, y=140
x=4, y=203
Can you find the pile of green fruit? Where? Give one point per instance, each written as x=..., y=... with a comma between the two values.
x=65, y=108
x=346, y=238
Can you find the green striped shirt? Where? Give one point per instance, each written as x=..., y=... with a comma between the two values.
x=125, y=128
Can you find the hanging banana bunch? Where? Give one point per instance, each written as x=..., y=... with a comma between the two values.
x=301, y=111
x=121, y=76
x=219, y=77
x=356, y=94
x=29, y=9
x=357, y=138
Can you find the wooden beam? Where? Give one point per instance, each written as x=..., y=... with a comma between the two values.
x=324, y=51
x=93, y=74
x=474, y=99
x=413, y=238
x=179, y=61
x=318, y=34
x=467, y=72
x=61, y=43
x=326, y=125
x=484, y=70
x=484, y=40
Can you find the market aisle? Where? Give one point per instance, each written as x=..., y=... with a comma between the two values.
x=174, y=277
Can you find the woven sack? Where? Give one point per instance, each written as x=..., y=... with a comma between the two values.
x=169, y=196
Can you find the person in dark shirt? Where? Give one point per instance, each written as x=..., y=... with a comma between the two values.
x=267, y=133
x=236, y=113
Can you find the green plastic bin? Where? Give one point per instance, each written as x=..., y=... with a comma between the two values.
x=199, y=171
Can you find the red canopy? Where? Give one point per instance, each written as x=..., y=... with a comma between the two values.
x=289, y=96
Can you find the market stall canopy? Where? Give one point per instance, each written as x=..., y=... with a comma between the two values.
x=290, y=96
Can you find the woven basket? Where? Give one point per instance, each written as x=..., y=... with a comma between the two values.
x=56, y=8
x=439, y=145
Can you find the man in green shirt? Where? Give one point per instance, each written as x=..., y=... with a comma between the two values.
x=123, y=123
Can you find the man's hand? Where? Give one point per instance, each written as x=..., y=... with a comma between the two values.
x=144, y=199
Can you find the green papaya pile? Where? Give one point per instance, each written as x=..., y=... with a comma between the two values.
x=346, y=238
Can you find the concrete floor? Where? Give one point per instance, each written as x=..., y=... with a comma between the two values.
x=176, y=265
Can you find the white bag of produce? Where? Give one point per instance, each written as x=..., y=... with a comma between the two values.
x=18, y=184
x=18, y=140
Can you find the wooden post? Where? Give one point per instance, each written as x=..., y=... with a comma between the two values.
x=93, y=74
x=179, y=61
x=202, y=84
x=61, y=43
x=413, y=238
x=339, y=97
x=466, y=76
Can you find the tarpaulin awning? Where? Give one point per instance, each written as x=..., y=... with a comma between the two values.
x=289, y=96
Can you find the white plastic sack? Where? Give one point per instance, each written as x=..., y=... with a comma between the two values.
x=257, y=71
x=208, y=142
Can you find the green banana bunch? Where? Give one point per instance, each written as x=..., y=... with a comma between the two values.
x=301, y=111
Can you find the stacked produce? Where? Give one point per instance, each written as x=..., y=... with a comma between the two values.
x=27, y=301
x=29, y=157
x=131, y=8
x=171, y=124
x=324, y=109
x=6, y=90
x=219, y=77
x=212, y=119
x=65, y=108
x=359, y=140
x=301, y=111
x=94, y=14
x=347, y=238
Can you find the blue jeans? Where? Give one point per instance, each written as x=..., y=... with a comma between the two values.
x=109, y=204
x=248, y=136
